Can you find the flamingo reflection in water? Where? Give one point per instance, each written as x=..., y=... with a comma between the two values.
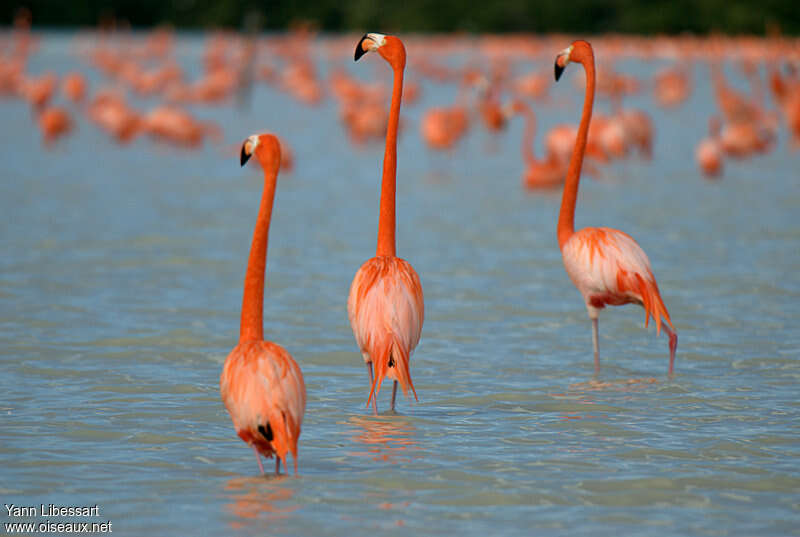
x=256, y=501
x=583, y=398
x=595, y=385
x=388, y=440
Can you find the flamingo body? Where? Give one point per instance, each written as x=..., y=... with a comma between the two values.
x=74, y=87
x=442, y=127
x=560, y=140
x=544, y=174
x=263, y=390
x=610, y=269
x=709, y=157
x=386, y=312
x=54, y=122
x=638, y=130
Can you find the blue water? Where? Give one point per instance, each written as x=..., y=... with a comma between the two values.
x=120, y=288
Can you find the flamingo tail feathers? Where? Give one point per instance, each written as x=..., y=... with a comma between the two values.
x=392, y=355
x=286, y=433
x=652, y=303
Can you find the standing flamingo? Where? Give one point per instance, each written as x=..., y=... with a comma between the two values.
x=385, y=305
x=261, y=385
x=606, y=265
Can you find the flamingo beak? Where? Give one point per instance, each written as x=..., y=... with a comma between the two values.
x=248, y=147
x=369, y=43
x=245, y=156
x=361, y=49
x=561, y=61
x=558, y=71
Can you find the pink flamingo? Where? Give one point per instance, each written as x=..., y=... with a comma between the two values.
x=54, y=122
x=539, y=174
x=606, y=265
x=261, y=385
x=385, y=306
x=709, y=151
x=74, y=87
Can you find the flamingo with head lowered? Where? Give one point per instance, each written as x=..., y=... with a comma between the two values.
x=385, y=305
x=606, y=265
x=261, y=385
x=539, y=174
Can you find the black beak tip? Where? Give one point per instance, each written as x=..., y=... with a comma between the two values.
x=243, y=157
x=359, y=50
x=558, y=71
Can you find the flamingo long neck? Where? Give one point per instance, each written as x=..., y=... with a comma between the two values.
x=566, y=216
x=386, y=220
x=252, y=324
x=528, y=136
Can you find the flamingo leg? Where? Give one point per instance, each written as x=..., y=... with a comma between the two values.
x=595, y=347
x=277, y=465
x=258, y=458
x=375, y=395
x=673, y=346
x=394, y=393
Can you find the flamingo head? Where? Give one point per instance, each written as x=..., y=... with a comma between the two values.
x=388, y=46
x=579, y=51
x=266, y=148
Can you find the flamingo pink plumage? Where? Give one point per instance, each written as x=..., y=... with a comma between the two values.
x=606, y=265
x=385, y=306
x=261, y=385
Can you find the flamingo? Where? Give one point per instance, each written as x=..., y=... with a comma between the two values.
x=708, y=152
x=638, y=130
x=545, y=173
x=671, y=86
x=261, y=385
x=111, y=112
x=38, y=91
x=74, y=87
x=385, y=306
x=177, y=126
x=744, y=138
x=54, y=122
x=443, y=126
x=606, y=265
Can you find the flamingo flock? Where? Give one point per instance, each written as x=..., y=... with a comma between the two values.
x=261, y=384
x=490, y=90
